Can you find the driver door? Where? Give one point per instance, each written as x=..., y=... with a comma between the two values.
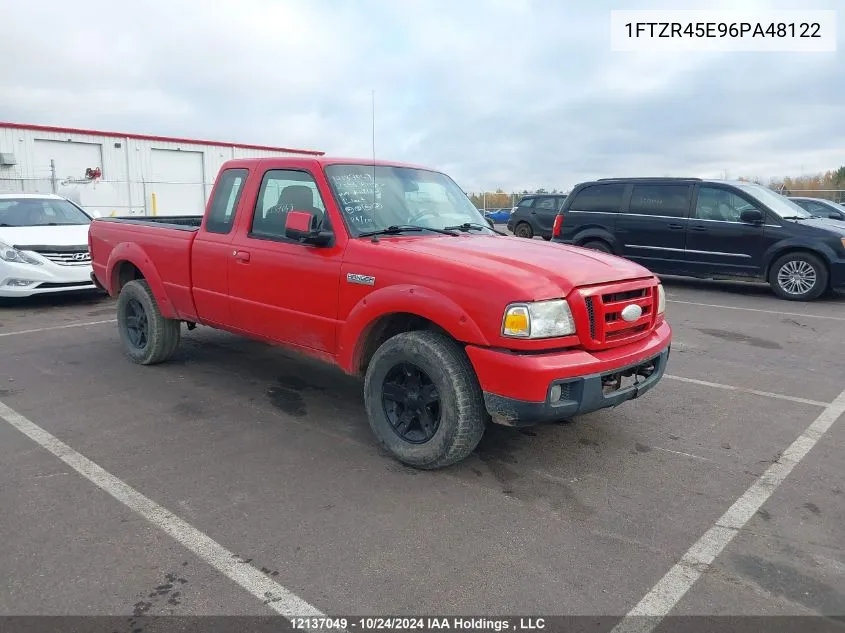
x=717, y=241
x=281, y=289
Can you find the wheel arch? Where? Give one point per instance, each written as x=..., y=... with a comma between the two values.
x=396, y=309
x=128, y=261
x=785, y=249
x=596, y=233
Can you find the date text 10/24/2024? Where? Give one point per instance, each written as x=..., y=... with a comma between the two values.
x=427, y=623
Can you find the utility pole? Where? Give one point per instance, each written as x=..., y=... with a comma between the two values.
x=53, y=180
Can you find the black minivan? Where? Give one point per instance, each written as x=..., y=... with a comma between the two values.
x=707, y=229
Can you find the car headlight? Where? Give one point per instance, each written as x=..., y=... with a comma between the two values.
x=538, y=319
x=9, y=254
x=661, y=299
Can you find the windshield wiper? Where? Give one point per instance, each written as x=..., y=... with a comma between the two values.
x=468, y=226
x=396, y=229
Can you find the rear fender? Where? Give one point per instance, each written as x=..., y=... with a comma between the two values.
x=417, y=300
x=594, y=233
x=134, y=254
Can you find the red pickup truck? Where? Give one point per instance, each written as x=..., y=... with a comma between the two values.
x=390, y=272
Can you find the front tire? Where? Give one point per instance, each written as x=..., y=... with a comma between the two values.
x=798, y=276
x=523, y=229
x=423, y=400
x=148, y=338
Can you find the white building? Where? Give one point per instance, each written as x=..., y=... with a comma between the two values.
x=133, y=174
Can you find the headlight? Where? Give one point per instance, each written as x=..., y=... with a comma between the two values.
x=661, y=299
x=9, y=254
x=539, y=319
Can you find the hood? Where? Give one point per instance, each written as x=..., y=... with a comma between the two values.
x=68, y=235
x=542, y=269
x=829, y=225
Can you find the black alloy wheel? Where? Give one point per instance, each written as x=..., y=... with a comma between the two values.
x=137, y=326
x=411, y=403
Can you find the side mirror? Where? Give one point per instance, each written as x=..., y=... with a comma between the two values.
x=302, y=226
x=491, y=223
x=833, y=215
x=751, y=216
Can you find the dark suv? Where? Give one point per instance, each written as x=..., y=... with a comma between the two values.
x=535, y=215
x=708, y=229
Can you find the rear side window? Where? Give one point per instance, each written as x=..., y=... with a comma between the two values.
x=604, y=198
x=227, y=194
x=664, y=200
x=545, y=203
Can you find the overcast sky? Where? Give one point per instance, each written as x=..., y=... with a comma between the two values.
x=499, y=93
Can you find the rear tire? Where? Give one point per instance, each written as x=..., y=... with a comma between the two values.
x=423, y=400
x=598, y=245
x=523, y=229
x=148, y=338
x=798, y=276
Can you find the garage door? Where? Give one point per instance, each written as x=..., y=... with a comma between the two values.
x=177, y=180
x=72, y=159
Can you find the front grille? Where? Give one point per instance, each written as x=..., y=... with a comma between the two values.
x=603, y=306
x=591, y=315
x=67, y=256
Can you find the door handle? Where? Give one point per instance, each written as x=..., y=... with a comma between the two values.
x=700, y=229
x=241, y=256
x=676, y=227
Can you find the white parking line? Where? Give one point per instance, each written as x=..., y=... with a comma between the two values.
x=57, y=327
x=756, y=392
x=663, y=597
x=778, y=312
x=229, y=564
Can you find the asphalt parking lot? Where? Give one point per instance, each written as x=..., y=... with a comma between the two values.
x=249, y=453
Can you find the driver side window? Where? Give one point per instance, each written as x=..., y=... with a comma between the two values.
x=720, y=205
x=284, y=190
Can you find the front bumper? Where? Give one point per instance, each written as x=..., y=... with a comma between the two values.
x=837, y=275
x=26, y=280
x=519, y=389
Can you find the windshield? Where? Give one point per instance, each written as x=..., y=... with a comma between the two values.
x=780, y=205
x=40, y=212
x=400, y=196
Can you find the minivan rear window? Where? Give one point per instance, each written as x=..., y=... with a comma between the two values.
x=603, y=198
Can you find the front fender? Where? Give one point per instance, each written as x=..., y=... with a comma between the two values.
x=134, y=254
x=776, y=250
x=410, y=299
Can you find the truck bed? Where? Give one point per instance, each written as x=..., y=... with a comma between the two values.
x=183, y=222
x=160, y=247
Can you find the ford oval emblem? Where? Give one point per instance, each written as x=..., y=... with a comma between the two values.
x=631, y=312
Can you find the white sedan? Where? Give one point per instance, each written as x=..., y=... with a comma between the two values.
x=43, y=245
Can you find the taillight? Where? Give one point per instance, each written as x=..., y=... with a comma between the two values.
x=558, y=223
